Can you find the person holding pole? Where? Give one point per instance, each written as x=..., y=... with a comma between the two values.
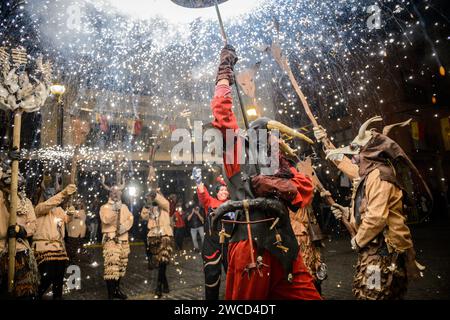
x=26, y=276
x=22, y=95
x=262, y=238
x=383, y=241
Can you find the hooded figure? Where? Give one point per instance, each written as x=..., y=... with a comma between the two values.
x=386, y=257
x=116, y=220
x=263, y=260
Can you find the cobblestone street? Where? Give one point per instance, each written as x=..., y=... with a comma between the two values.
x=186, y=277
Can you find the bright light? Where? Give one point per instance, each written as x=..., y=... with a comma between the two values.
x=132, y=191
x=57, y=89
x=145, y=9
x=252, y=112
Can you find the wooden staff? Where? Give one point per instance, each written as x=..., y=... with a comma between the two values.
x=23, y=97
x=73, y=172
x=14, y=199
x=330, y=201
x=306, y=167
x=284, y=64
x=79, y=134
x=156, y=144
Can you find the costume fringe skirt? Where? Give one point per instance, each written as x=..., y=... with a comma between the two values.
x=115, y=255
x=380, y=275
x=160, y=249
x=26, y=278
x=44, y=256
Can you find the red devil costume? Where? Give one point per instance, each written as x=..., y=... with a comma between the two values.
x=264, y=261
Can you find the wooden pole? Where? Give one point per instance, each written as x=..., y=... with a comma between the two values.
x=284, y=64
x=14, y=199
x=73, y=172
x=219, y=17
x=330, y=201
x=60, y=107
x=306, y=167
x=225, y=40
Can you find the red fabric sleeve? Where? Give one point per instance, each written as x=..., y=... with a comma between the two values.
x=305, y=189
x=207, y=201
x=204, y=198
x=224, y=119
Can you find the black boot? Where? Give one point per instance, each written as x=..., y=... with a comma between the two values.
x=165, y=286
x=158, y=290
x=118, y=293
x=110, y=285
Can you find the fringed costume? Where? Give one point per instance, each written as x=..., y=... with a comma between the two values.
x=160, y=238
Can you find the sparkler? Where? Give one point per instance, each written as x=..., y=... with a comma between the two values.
x=159, y=65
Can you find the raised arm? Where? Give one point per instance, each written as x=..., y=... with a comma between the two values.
x=344, y=164
x=222, y=105
x=45, y=207
x=162, y=202
x=204, y=198
x=30, y=224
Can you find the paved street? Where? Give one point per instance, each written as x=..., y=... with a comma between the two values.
x=186, y=277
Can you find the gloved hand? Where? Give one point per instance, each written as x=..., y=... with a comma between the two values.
x=17, y=232
x=334, y=157
x=152, y=194
x=319, y=133
x=117, y=206
x=325, y=193
x=152, y=173
x=228, y=59
x=5, y=177
x=340, y=211
x=71, y=211
x=14, y=154
x=354, y=245
x=197, y=175
x=69, y=190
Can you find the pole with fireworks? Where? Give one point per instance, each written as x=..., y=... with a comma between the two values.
x=215, y=3
x=24, y=87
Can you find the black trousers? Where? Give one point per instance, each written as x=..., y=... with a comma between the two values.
x=179, y=234
x=52, y=273
x=215, y=256
x=162, y=277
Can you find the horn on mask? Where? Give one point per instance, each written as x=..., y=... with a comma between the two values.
x=365, y=125
x=388, y=128
x=272, y=124
x=121, y=187
x=286, y=148
x=104, y=184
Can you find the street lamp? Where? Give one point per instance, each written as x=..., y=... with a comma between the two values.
x=251, y=112
x=58, y=90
